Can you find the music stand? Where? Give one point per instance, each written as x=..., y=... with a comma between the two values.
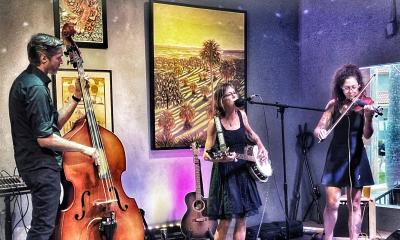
x=281, y=110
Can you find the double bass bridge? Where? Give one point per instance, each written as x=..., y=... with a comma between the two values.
x=103, y=203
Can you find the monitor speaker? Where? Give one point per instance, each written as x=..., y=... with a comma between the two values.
x=395, y=235
x=368, y=226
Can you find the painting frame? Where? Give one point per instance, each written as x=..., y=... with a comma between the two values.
x=100, y=91
x=94, y=32
x=160, y=138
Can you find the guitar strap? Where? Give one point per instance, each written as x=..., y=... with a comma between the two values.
x=220, y=134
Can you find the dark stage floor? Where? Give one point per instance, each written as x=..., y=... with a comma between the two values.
x=309, y=229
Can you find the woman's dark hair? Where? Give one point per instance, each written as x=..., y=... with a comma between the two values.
x=42, y=43
x=341, y=74
x=219, y=96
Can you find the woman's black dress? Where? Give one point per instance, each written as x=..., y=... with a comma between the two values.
x=233, y=192
x=347, y=139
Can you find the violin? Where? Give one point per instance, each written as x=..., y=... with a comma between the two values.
x=356, y=104
x=363, y=101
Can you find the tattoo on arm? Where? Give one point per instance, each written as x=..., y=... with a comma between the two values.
x=325, y=120
x=250, y=135
x=253, y=137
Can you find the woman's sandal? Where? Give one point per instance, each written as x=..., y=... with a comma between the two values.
x=318, y=236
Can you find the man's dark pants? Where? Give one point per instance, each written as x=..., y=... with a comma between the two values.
x=45, y=189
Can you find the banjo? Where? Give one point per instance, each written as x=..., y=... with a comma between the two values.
x=259, y=170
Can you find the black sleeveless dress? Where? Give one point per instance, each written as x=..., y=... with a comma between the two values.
x=345, y=139
x=233, y=192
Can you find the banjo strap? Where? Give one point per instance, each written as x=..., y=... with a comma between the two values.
x=220, y=134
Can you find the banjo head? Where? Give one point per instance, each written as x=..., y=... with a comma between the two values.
x=251, y=150
x=263, y=168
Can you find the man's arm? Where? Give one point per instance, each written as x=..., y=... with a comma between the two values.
x=58, y=143
x=66, y=111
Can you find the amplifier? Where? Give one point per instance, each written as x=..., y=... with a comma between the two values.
x=395, y=235
x=368, y=213
x=12, y=185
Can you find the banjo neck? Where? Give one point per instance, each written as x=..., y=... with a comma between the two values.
x=246, y=157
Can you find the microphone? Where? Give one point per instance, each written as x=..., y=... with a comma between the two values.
x=241, y=102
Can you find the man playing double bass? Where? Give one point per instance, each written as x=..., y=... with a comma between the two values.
x=35, y=125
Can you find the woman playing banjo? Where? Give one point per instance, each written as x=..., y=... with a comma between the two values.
x=233, y=192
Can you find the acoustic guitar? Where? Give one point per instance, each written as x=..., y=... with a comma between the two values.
x=195, y=223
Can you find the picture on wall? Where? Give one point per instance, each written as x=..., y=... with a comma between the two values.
x=88, y=17
x=193, y=50
x=100, y=92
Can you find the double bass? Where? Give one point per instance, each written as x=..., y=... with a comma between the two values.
x=95, y=205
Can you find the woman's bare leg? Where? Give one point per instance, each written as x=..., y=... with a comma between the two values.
x=222, y=229
x=240, y=229
x=331, y=210
x=354, y=206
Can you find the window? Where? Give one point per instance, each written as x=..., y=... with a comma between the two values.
x=382, y=88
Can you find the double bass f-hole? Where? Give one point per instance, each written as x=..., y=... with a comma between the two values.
x=83, y=206
x=125, y=207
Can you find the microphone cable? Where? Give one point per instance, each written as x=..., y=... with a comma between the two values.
x=273, y=176
x=350, y=192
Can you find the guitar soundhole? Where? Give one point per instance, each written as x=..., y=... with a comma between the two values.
x=199, y=205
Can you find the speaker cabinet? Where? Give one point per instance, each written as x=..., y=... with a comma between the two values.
x=368, y=225
x=395, y=235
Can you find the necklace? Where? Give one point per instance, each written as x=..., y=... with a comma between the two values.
x=231, y=122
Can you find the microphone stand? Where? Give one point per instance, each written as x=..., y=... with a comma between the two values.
x=281, y=110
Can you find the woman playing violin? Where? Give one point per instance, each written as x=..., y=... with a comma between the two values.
x=346, y=162
x=233, y=192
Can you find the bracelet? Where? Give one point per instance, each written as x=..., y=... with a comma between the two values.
x=76, y=99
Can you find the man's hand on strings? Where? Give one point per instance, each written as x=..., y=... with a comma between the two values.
x=78, y=91
x=93, y=153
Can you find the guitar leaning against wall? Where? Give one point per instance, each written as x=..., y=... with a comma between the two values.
x=195, y=223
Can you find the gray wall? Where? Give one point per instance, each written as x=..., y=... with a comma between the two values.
x=273, y=66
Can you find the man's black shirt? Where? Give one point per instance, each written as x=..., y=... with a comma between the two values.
x=32, y=116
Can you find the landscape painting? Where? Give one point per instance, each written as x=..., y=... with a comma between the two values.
x=194, y=49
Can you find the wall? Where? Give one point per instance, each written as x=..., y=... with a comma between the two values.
x=331, y=34
x=159, y=179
